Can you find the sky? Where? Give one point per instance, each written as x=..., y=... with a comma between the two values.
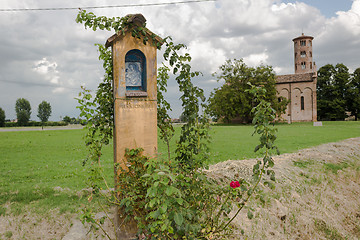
x=47, y=56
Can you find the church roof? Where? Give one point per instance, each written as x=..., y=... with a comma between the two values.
x=303, y=37
x=294, y=78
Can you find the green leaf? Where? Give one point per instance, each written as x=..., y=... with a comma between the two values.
x=272, y=178
x=163, y=208
x=170, y=190
x=163, y=227
x=155, y=214
x=179, y=201
x=178, y=219
x=250, y=214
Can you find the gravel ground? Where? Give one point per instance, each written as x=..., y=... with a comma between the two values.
x=17, y=129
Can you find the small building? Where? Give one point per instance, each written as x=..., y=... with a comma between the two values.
x=300, y=88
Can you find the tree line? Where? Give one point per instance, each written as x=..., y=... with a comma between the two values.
x=23, y=112
x=338, y=92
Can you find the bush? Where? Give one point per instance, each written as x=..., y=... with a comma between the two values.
x=36, y=124
x=11, y=124
x=2, y=118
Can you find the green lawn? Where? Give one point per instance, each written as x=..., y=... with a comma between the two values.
x=236, y=142
x=34, y=162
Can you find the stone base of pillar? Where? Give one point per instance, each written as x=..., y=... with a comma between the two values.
x=125, y=230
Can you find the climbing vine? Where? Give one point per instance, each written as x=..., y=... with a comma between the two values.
x=169, y=197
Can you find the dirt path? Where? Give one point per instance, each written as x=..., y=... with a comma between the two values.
x=17, y=129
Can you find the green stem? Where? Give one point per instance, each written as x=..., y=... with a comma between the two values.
x=253, y=189
x=99, y=225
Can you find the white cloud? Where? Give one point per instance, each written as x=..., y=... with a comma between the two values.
x=58, y=90
x=48, y=70
x=206, y=57
x=256, y=59
x=351, y=19
x=259, y=31
x=338, y=40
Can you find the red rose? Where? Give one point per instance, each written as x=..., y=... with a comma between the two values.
x=234, y=184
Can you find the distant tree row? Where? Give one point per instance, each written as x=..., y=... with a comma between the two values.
x=23, y=112
x=71, y=120
x=338, y=92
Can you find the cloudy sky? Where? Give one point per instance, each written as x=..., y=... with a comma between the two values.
x=46, y=55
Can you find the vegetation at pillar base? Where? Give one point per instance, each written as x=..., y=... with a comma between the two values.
x=232, y=101
x=23, y=111
x=338, y=92
x=2, y=118
x=44, y=111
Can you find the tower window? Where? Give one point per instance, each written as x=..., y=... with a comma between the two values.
x=303, y=65
x=302, y=42
x=310, y=43
x=302, y=102
x=303, y=54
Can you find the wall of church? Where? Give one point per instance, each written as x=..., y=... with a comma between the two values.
x=302, y=95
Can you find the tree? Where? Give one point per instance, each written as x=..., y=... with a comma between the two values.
x=67, y=119
x=2, y=118
x=354, y=94
x=44, y=112
x=332, y=92
x=23, y=111
x=232, y=101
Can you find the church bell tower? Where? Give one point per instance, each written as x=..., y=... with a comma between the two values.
x=303, y=55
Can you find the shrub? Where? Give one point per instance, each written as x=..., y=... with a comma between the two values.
x=2, y=118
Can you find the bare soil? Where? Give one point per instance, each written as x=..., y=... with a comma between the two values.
x=317, y=196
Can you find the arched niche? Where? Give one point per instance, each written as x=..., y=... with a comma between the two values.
x=135, y=73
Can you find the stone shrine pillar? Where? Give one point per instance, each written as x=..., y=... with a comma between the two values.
x=135, y=94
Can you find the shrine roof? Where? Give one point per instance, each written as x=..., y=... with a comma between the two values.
x=137, y=20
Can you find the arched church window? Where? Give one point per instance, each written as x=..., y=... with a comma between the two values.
x=302, y=102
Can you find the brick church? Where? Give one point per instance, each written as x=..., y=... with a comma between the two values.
x=300, y=88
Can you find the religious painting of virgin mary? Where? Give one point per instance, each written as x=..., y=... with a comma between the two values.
x=133, y=74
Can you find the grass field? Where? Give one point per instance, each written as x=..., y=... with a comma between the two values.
x=33, y=163
x=237, y=142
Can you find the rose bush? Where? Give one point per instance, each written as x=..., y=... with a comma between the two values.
x=234, y=184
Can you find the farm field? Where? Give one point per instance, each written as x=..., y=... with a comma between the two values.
x=42, y=170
